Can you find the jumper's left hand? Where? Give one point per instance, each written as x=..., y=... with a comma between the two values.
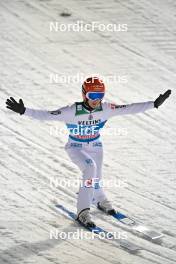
x=160, y=100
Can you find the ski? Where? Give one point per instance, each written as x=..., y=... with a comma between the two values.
x=145, y=231
x=123, y=243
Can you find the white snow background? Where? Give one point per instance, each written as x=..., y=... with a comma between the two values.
x=30, y=156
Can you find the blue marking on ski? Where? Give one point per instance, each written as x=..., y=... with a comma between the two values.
x=147, y=232
x=124, y=219
x=124, y=243
x=71, y=214
x=96, y=229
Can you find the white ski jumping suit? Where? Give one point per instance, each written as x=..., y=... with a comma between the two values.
x=84, y=146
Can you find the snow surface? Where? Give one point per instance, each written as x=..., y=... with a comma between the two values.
x=30, y=156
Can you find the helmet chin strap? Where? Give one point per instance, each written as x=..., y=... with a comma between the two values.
x=87, y=105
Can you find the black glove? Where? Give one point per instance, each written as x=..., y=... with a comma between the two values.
x=14, y=106
x=162, y=98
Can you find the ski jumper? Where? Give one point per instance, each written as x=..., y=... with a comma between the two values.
x=84, y=145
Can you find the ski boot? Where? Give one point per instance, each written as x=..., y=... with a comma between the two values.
x=84, y=218
x=106, y=207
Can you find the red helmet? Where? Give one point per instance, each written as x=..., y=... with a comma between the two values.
x=92, y=84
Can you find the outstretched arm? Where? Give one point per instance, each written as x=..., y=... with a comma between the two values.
x=135, y=108
x=61, y=114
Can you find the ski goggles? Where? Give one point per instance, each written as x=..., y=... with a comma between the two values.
x=95, y=96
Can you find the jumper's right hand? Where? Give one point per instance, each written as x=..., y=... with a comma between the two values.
x=14, y=106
